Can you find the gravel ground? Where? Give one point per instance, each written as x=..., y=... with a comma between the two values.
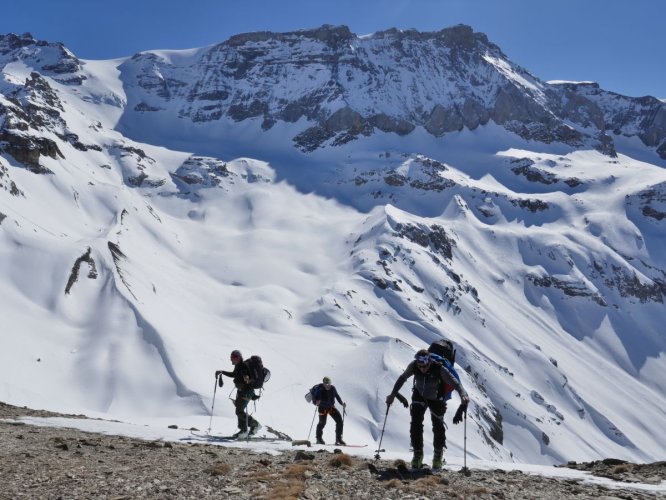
x=53, y=463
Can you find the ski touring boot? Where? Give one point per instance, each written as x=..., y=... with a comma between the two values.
x=254, y=428
x=417, y=460
x=437, y=460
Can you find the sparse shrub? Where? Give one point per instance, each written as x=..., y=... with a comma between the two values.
x=340, y=459
x=219, y=469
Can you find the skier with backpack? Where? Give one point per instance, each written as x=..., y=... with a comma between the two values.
x=324, y=396
x=434, y=380
x=247, y=375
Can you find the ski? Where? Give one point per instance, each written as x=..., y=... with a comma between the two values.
x=229, y=439
x=343, y=445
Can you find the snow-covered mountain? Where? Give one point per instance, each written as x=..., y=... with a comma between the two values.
x=334, y=203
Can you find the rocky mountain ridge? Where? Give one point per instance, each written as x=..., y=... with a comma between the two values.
x=343, y=86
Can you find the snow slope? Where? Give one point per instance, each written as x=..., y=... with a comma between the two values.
x=131, y=269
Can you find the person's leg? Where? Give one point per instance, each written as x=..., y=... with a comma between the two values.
x=240, y=403
x=417, y=412
x=335, y=414
x=320, y=426
x=437, y=410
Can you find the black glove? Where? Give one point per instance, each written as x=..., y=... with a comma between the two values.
x=218, y=373
x=458, y=417
x=402, y=399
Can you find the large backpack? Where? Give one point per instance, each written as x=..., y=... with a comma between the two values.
x=313, y=394
x=442, y=351
x=258, y=373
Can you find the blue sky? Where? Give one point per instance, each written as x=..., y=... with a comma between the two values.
x=619, y=43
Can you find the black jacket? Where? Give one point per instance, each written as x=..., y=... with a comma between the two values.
x=429, y=384
x=238, y=374
x=326, y=397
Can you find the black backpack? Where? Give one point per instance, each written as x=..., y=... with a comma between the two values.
x=258, y=373
x=444, y=349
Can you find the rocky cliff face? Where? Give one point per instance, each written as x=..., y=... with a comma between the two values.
x=343, y=86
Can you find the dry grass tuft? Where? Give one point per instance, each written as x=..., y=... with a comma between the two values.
x=425, y=485
x=394, y=483
x=219, y=469
x=341, y=459
x=290, y=489
x=622, y=468
x=297, y=471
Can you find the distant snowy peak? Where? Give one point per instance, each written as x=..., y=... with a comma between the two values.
x=50, y=59
x=344, y=86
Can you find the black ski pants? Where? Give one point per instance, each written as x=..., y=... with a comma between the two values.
x=243, y=398
x=417, y=411
x=335, y=415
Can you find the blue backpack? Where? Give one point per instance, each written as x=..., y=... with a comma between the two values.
x=442, y=351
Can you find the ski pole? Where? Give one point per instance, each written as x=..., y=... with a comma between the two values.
x=465, y=470
x=379, y=448
x=210, y=423
x=313, y=419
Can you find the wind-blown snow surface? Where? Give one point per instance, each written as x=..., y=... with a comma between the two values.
x=539, y=262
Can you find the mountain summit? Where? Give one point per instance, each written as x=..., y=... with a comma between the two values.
x=335, y=203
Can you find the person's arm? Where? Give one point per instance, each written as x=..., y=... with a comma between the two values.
x=409, y=371
x=337, y=397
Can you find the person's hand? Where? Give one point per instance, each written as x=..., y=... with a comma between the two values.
x=218, y=373
x=462, y=410
x=344, y=405
x=316, y=403
x=389, y=399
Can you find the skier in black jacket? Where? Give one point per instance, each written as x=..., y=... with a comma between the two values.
x=324, y=396
x=429, y=379
x=244, y=394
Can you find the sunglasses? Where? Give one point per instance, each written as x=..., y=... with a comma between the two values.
x=422, y=360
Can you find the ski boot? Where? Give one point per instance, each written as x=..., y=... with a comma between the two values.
x=340, y=442
x=437, y=460
x=254, y=428
x=417, y=460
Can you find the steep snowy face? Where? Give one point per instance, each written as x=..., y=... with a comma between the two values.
x=339, y=86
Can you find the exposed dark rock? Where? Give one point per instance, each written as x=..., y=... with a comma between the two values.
x=74, y=275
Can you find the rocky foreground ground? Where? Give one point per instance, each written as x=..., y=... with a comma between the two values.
x=53, y=463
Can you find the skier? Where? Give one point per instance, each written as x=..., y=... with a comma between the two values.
x=429, y=379
x=324, y=396
x=244, y=394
